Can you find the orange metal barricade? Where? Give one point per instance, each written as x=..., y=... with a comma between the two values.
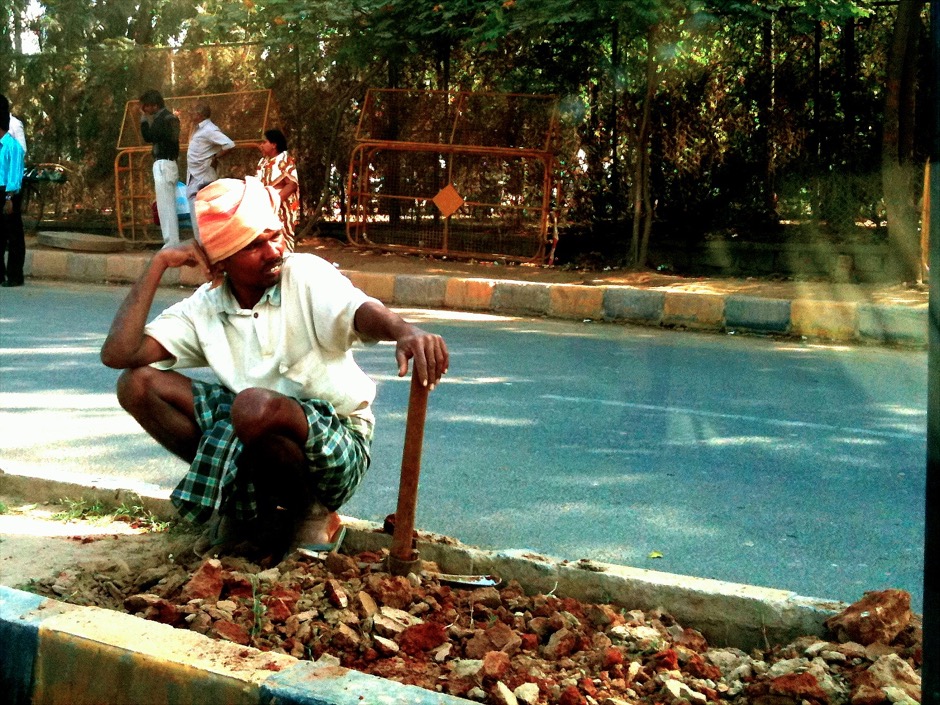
x=465, y=174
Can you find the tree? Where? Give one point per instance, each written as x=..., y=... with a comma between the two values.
x=900, y=175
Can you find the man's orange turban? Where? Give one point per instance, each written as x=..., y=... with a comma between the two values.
x=231, y=213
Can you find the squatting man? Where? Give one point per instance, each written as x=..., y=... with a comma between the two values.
x=282, y=440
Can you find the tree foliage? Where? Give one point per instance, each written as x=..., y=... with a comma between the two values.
x=678, y=116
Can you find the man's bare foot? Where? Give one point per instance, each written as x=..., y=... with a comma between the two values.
x=318, y=528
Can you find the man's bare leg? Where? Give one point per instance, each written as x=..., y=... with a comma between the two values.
x=273, y=429
x=162, y=403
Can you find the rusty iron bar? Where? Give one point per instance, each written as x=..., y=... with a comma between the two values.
x=403, y=558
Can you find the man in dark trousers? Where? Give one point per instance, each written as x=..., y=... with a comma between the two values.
x=12, y=237
x=283, y=440
x=161, y=128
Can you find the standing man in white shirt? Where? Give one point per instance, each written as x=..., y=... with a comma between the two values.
x=206, y=144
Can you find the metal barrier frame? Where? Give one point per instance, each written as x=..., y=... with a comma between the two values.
x=359, y=194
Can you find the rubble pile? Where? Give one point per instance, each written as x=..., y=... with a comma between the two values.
x=501, y=646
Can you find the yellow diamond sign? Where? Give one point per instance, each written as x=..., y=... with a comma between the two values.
x=448, y=201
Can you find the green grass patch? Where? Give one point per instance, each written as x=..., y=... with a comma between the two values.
x=131, y=513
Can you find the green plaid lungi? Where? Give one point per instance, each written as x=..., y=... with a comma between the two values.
x=337, y=456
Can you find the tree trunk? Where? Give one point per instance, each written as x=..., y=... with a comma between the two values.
x=849, y=92
x=898, y=171
x=592, y=151
x=615, y=200
x=642, y=203
x=766, y=108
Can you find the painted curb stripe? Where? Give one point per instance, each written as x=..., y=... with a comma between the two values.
x=830, y=320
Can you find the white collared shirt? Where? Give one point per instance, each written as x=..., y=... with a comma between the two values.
x=16, y=129
x=206, y=142
x=297, y=340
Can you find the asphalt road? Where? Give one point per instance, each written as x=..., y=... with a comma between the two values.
x=782, y=464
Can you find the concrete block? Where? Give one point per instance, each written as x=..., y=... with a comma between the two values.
x=50, y=264
x=123, y=269
x=417, y=290
x=469, y=294
x=893, y=324
x=756, y=314
x=536, y=573
x=623, y=303
x=694, y=310
x=318, y=684
x=575, y=301
x=833, y=320
x=376, y=285
x=531, y=298
x=85, y=242
x=90, y=654
x=87, y=267
x=727, y=614
x=456, y=560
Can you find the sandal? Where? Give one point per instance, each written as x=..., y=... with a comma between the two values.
x=315, y=550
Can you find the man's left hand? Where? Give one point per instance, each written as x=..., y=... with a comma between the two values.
x=429, y=353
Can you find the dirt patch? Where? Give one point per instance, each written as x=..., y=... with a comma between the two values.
x=495, y=645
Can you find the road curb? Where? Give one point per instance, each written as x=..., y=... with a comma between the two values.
x=826, y=320
x=59, y=653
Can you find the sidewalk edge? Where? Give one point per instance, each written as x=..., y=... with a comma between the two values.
x=837, y=321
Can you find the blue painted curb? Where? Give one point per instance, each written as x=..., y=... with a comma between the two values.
x=750, y=313
x=19, y=642
x=313, y=684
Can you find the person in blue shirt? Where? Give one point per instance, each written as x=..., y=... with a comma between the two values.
x=12, y=237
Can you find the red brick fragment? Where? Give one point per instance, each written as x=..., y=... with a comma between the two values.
x=336, y=595
x=562, y=643
x=230, y=631
x=588, y=687
x=154, y=608
x=206, y=583
x=422, y=637
x=280, y=604
x=495, y=664
x=878, y=617
x=236, y=585
x=697, y=667
x=571, y=696
x=612, y=657
x=530, y=642
x=393, y=591
x=667, y=659
x=801, y=686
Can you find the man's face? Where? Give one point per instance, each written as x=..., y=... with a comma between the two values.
x=258, y=265
x=149, y=108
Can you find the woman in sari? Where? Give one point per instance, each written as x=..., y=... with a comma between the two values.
x=278, y=170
